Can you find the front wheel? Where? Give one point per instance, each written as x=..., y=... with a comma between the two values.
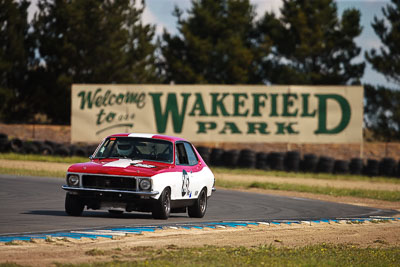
x=73, y=205
x=162, y=207
x=198, y=210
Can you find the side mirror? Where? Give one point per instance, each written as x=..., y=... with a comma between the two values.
x=91, y=157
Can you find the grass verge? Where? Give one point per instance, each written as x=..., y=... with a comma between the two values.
x=316, y=255
x=362, y=193
x=28, y=157
x=217, y=170
x=26, y=172
x=320, y=176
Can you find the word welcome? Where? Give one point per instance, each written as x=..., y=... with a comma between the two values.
x=89, y=99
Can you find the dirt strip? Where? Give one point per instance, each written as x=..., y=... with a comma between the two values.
x=42, y=253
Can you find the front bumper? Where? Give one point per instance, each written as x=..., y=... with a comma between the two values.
x=97, y=190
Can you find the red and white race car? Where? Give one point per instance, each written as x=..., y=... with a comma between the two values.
x=141, y=172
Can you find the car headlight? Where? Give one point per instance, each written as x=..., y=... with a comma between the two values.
x=73, y=180
x=145, y=184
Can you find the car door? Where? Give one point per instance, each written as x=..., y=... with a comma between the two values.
x=187, y=160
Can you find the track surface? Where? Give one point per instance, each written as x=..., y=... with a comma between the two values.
x=36, y=204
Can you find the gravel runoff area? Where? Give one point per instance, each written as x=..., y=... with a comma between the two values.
x=382, y=234
x=71, y=251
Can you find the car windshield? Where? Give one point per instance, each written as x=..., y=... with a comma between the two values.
x=136, y=149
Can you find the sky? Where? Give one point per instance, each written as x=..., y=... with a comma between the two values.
x=159, y=13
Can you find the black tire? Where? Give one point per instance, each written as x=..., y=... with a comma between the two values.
x=341, y=167
x=90, y=150
x=325, y=165
x=356, y=166
x=46, y=150
x=204, y=153
x=309, y=163
x=261, y=160
x=73, y=205
x=275, y=161
x=77, y=151
x=30, y=148
x=216, y=157
x=230, y=158
x=5, y=146
x=62, y=151
x=372, y=167
x=292, y=161
x=3, y=136
x=115, y=212
x=162, y=207
x=52, y=144
x=16, y=145
x=198, y=210
x=247, y=159
x=387, y=167
x=4, y=143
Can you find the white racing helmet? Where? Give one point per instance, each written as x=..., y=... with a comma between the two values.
x=124, y=148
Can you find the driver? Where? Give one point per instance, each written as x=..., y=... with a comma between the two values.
x=124, y=148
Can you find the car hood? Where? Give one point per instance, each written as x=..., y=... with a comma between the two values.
x=125, y=167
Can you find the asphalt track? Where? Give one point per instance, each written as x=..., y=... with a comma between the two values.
x=36, y=205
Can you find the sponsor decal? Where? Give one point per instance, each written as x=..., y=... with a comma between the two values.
x=144, y=165
x=185, y=184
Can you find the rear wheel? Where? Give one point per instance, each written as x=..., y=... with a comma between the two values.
x=73, y=205
x=198, y=210
x=162, y=207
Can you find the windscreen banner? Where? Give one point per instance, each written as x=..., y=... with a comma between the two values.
x=219, y=113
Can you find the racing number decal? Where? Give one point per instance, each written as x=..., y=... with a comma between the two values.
x=185, y=184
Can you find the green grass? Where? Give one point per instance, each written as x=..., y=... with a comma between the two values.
x=362, y=193
x=95, y=252
x=58, y=159
x=26, y=172
x=321, y=176
x=316, y=255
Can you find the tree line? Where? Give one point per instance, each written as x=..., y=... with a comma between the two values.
x=217, y=42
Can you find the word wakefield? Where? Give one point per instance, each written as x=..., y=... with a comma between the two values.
x=212, y=113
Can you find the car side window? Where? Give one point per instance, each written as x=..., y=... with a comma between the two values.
x=181, y=157
x=192, y=158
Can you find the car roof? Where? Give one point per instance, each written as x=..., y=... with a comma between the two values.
x=147, y=135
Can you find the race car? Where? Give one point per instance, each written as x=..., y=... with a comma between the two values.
x=141, y=172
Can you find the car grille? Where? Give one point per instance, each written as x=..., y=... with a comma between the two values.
x=109, y=182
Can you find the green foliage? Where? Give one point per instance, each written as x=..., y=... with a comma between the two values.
x=215, y=44
x=312, y=45
x=382, y=112
x=87, y=41
x=14, y=51
x=382, y=106
x=387, y=60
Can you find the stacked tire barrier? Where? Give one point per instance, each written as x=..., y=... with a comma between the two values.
x=292, y=161
x=16, y=145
